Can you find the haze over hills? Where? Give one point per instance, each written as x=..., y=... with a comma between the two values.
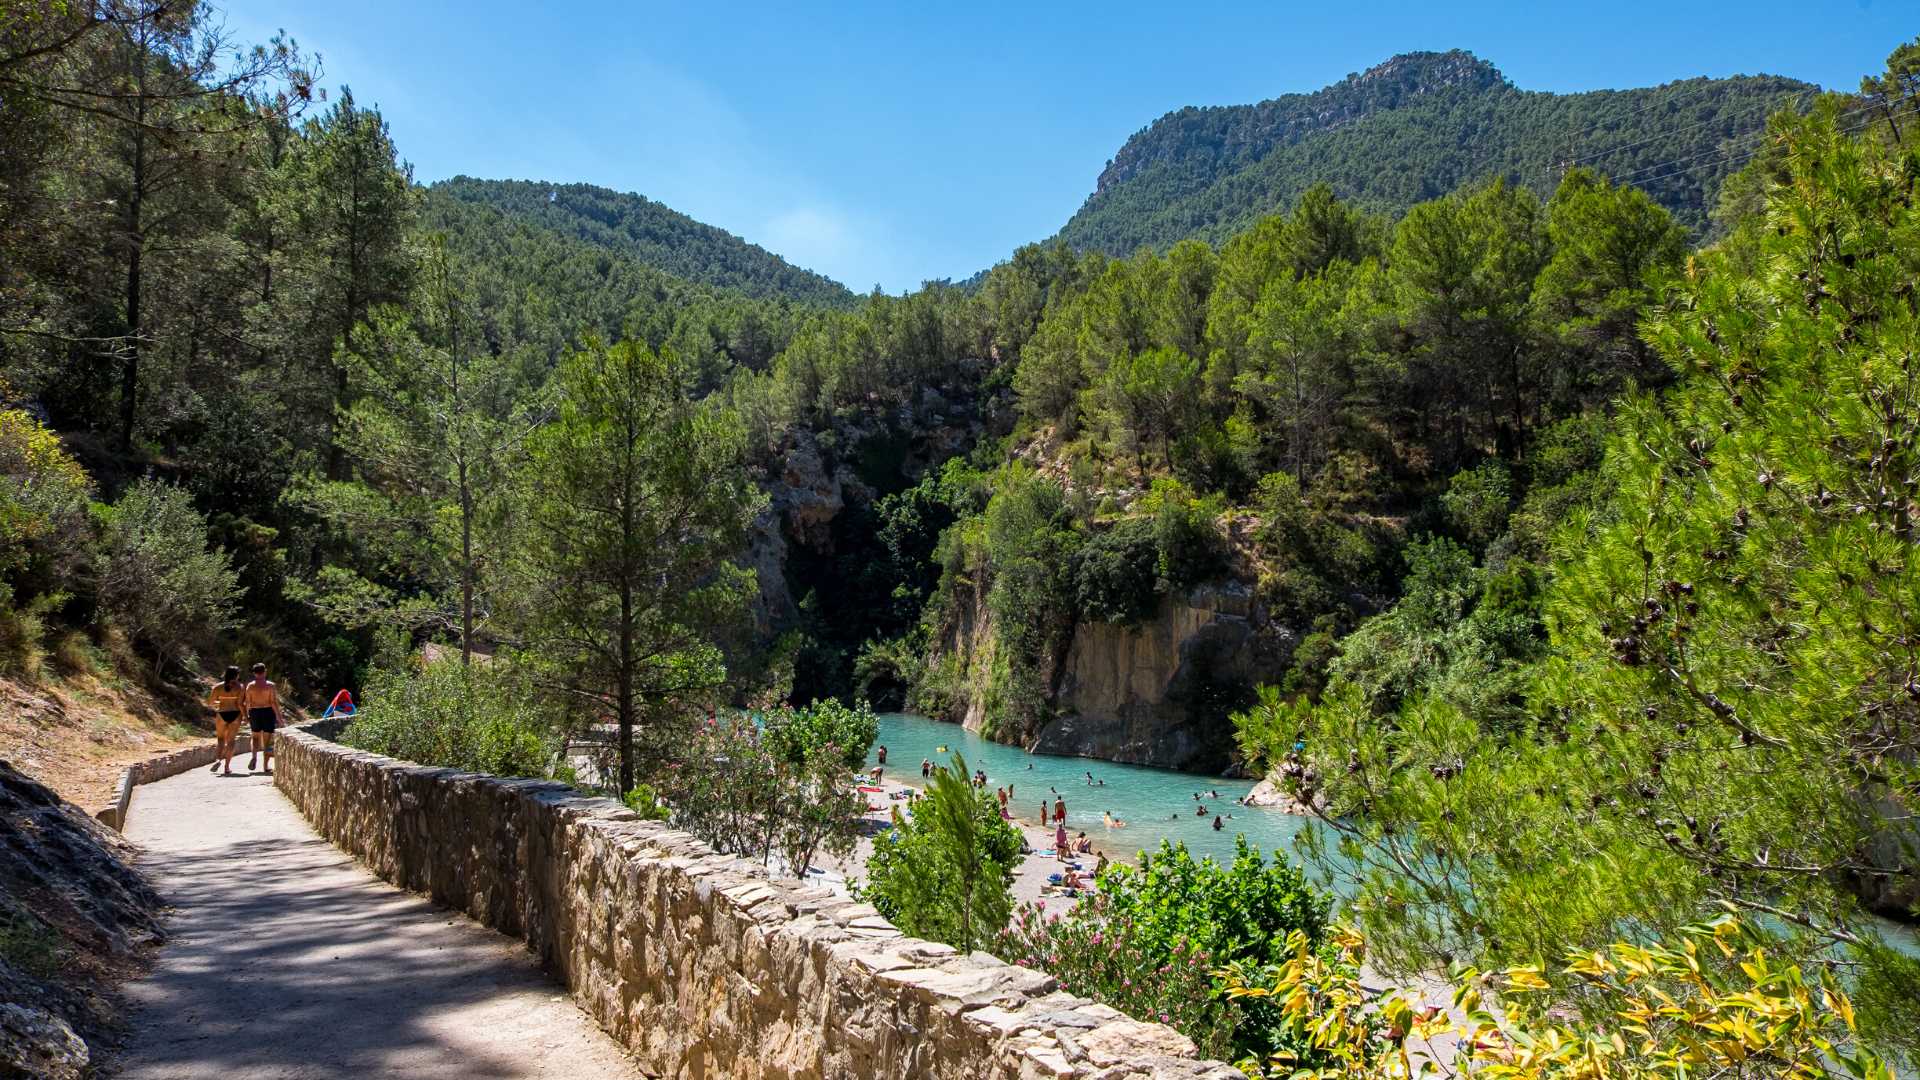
x=650, y=233
x=1414, y=128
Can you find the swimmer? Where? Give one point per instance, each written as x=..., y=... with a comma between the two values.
x=1217, y=824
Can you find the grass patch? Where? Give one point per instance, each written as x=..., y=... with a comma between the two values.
x=76, y=654
x=29, y=945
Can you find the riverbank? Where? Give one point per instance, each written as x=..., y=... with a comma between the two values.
x=1155, y=804
x=1029, y=877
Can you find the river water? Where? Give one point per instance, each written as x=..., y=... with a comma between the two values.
x=1156, y=804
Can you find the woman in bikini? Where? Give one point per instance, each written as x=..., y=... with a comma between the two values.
x=262, y=700
x=224, y=700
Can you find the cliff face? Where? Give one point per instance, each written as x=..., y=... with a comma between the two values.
x=1158, y=693
x=1209, y=139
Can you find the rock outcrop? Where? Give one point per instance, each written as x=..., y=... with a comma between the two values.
x=1157, y=693
x=73, y=915
x=701, y=963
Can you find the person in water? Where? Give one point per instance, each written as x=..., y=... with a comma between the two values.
x=883, y=753
x=262, y=701
x=1217, y=823
x=224, y=700
x=1112, y=822
x=1059, y=808
x=926, y=768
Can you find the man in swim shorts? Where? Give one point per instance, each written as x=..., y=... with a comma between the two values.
x=262, y=701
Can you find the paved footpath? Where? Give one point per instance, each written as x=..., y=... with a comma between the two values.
x=289, y=960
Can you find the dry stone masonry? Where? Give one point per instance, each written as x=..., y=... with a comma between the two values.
x=700, y=963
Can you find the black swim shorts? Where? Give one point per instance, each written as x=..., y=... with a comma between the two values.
x=261, y=720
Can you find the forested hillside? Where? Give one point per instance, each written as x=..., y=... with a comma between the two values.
x=1412, y=129
x=1564, y=565
x=646, y=231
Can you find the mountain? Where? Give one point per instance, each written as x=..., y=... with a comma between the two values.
x=1414, y=128
x=647, y=232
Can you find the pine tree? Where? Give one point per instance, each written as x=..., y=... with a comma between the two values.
x=633, y=501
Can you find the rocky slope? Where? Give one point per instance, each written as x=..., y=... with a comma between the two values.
x=74, y=916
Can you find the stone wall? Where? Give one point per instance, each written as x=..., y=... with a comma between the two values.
x=703, y=964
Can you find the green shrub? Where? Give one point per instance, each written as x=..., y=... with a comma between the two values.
x=1148, y=940
x=159, y=579
x=43, y=507
x=1186, y=532
x=944, y=873
x=1116, y=574
x=21, y=652
x=1477, y=502
x=75, y=654
x=644, y=801
x=485, y=718
x=844, y=733
x=730, y=784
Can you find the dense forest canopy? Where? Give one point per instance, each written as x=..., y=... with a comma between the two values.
x=1591, y=548
x=648, y=232
x=1416, y=127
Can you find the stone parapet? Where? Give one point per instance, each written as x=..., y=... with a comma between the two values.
x=703, y=964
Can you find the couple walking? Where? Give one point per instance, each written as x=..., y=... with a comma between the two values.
x=259, y=699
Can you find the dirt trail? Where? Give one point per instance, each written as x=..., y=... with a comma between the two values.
x=288, y=960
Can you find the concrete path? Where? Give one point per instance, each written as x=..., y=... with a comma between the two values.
x=288, y=960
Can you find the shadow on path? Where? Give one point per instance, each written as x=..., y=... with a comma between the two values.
x=289, y=960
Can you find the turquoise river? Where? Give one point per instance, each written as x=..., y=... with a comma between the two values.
x=1156, y=804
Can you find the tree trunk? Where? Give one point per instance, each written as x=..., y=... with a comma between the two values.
x=626, y=618
x=130, y=357
x=466, y=566
x=136, y=249
x=626, y=690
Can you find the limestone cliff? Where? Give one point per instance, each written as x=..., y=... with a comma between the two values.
x=1157, y=693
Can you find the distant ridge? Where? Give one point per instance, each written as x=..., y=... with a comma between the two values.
x=649, y=233
x=1412, y=128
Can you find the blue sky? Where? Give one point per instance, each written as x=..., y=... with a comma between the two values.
x=890, y=144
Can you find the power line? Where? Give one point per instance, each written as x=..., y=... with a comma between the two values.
x=1724, y=150
x=1668, y=100
x=1728, y=154
x=1727, y=149
x=1763, y=111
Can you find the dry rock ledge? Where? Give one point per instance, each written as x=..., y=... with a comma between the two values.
x=701, y=963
